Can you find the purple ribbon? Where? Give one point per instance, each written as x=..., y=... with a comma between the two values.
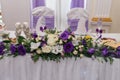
x=49, y=22
x=73, y=23
x=77, y=3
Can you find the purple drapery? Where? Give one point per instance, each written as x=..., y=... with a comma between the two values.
x=77, y=3
x=37, y=3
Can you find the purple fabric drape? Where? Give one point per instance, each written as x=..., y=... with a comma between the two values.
x=73, y=23
x=37, y=3
x=77, y=3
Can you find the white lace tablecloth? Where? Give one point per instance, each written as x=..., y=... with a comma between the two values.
x=23, y=68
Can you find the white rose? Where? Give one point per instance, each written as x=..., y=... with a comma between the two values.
x=51, y=42
x=53, y=36
x=34, y=45
x=46, y=49
x=38, y=51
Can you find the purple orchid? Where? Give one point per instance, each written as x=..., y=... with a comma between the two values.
x=43, y=28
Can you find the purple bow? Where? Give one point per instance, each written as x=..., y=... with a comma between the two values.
x=73, y=23
x=77, y=3
x=49, y=22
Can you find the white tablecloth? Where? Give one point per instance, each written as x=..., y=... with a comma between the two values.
x=23, y=68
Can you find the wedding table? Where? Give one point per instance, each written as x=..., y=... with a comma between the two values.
x=23, y=68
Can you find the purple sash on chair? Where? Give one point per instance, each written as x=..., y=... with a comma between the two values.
x=49, y=22
x=37, y=3
x=77, y=3
x=73, y=23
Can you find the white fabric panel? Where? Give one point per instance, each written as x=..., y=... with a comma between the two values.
x=23, y=68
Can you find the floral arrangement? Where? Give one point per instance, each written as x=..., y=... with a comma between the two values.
x=55, y=45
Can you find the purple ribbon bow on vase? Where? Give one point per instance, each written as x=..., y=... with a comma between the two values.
x=73, y=23
x=49, y=22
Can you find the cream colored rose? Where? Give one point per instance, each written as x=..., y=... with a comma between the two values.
x=38, y=51
x=46, y=49
x=52, y=38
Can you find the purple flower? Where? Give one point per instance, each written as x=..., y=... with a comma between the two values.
x=43, y=43
x=43, y=28
x=104, y=51
x=34, y=35
x=84, y=42
x=21, y=50
x=64, y=35
x=12, y=48
x=2, y=47
x=68, y=47
x=101, y=31
x=118, y=48
x=118, y=54
x=97, y=30
x=91, y=51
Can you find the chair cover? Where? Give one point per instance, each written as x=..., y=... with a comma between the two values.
x=82, y=15
x=46, y=18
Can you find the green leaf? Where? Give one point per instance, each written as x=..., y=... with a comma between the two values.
x=6, y=41
x=20, y=39
x=35, y=57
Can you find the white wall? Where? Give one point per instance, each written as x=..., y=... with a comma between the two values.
x=115, y=15
x=14, y=11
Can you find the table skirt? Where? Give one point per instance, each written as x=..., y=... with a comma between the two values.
x=23, y=68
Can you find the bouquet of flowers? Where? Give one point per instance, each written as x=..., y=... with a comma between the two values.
x=56, y=45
